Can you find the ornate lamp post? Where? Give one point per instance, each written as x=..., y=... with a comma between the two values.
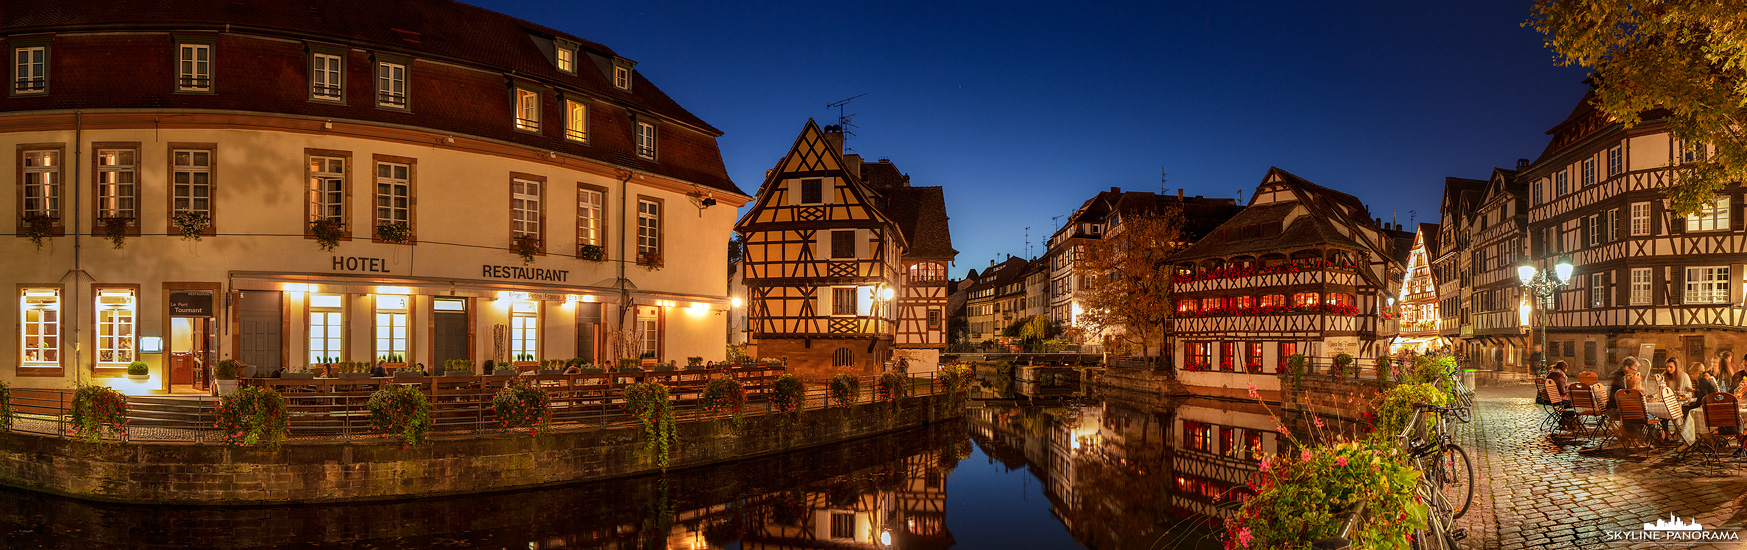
x=1542, y=285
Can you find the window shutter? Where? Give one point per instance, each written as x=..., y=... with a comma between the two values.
x=828, y=190
x=1734, y=213
x=793, y=193
x=1676, y=285
x=864, y=247
x=1734, y=279
x=822, y=245
x=824, y=301
x=864, y=300
x=1622, y=278
x=1655, y=217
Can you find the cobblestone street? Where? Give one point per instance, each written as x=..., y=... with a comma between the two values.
x=1536, y=491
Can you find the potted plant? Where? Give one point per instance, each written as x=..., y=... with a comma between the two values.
x=554, y=366
x=591, y=252
x=694, y=363
x=664, y=367
x=226, y=373
x=394, y=232
x=525, y=360
x=297, y=373
x=394, y=361
x=647, y=359
x=115, y=229
x=459, y=367
x=354, y=370
x=650, y=260
x=328, y=232
x=190, y=224
x=591, y=368
x=138, y=371
x=1342, y=361
x=39, y=229
x=525, y=246
x=629, y=365
x=505, y=369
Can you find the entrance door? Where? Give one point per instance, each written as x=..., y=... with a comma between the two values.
x=258, y=330
x=450, y=340
x=1695, y=349
x=191, y=344
x=588, y=331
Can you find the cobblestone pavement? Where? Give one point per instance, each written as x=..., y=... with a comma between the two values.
x=1539, y=491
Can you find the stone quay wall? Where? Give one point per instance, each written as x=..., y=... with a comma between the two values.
x=1345, y=398
x=379, y=469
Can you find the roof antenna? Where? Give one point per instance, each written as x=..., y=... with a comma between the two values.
x=843, y=119
x=1392, y=220
x=1412, y=218
x=1163, y=177
x=1027, y=242
x=1240, y=197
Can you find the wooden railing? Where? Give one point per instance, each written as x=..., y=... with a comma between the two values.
x=335, y=408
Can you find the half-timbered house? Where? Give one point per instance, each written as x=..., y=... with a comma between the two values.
x=1642, y=275
x=1302, y=270
x=1451, y=262
x=1497, y=307
x=825, y=262
x=1416, y=308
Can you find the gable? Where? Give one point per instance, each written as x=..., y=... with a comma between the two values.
x=787, y=195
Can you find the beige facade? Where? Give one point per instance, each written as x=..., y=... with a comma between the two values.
x=272, y=288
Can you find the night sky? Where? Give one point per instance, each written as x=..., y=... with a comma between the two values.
x=1022, y=111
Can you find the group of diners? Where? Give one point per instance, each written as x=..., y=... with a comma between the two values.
x=1670, y=404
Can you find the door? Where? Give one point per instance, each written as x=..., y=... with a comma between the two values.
x=450, y=340
x=588, y=331
x=259, y=321
x=1695, y=349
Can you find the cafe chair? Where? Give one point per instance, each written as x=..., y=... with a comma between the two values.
x=1722, y=414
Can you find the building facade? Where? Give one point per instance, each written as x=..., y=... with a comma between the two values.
x=1416, y=308
x=1452, y=263
x=1497, y=305
x=279, y=189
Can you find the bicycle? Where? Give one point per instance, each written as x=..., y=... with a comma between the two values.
x=1447, y=477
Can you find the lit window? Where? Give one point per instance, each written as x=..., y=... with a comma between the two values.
x=117, y=175
x=566, y=60
x=1707, y=285
x=1243, y=302
x=1640, y=286
x=1274, y=300
x=192, y=182
x=575, y=120
x=391, y=85
x=327, y=189
x=1187, y=306
x=1212, y=304
x=115, y=326
x=42, y=184
x=648, y=227
x=327, y=329
x=1616, y=161
x=649, y=331
x=30, y=70
x=1588, y=172
x=324, y=77
x=843, y=301
x=40, y=310
x=1596, y=290
x=525, y=208
x=622, y=77
x=525, y=329
x=393, y=194
x=1560, y=184
x=1339, y=299
x=1306, y=299
x=527, y=110
x=1712, y=217
x=646, y=140
x=590, y=216
x=391, y=333
x=195, y=72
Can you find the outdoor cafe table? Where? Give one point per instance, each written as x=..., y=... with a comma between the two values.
x=1695, y=422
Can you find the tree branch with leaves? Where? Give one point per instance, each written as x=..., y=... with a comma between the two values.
x=1126, y=287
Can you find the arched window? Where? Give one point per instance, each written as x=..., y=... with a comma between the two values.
x=843, y=357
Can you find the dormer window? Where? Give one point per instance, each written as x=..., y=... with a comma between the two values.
x=645, y=140
x=566, y=59
x=30, y=70
x=622, y=73
x=527, y=110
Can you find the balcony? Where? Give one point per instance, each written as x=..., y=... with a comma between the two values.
x=1339, y=277
x=1297, y=322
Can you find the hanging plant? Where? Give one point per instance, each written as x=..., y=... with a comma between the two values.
x=520, y=406
x=956, y=380
x=191, y=224
x=1295, y=369
x=252, y=415
x=650, y=260
x=843, y=390
x=39, y=229
x=726, y=396
x=788, y=394
x=5, y=407
x=402, y=410
x=99, y=412
x=1342, y=361
x=394, y=232
x=525, y=246
x=115, y=229
x=328, y=232
x=649, y=403
x=591, y=252
x=891, y=386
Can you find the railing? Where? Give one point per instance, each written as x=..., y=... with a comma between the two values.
x=1317, y=276
x=334, y=408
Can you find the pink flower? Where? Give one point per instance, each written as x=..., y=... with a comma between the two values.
x=1243, y=537
x=1304, y=455
x=1266, y=464
x=1253, y=394
x=1318, y=421
x=1340, y=461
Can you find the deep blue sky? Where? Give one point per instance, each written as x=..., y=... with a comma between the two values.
x=1023, y=110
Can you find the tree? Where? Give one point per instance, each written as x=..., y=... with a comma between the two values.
x=1127, y=282
x=736, y=249
x=1685, y=59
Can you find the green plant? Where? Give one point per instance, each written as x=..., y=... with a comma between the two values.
x=190, y=224
x=458, y=365
x=1432, y=370
x=844, y=388
x=114, y=229
x=788, y=394
x=647, y=355
x=1305, y=498
x=225, y=370
x=694, y=361
x=1339, y=369
x=1295, y=368
x=525, y=246
x=956, y=380
x=98, y=412
x=1396, y=410
x=400, y=410
x=650, y=260
x=627, y=363
x=725, y=395
x=394, y=232
x=891, y=386
x=5, y=407
x=39, y=228
x=648, y=402
x=138, y=368
x=252, y=415
x=591, y=252
x=327, y=232
x=520, y=405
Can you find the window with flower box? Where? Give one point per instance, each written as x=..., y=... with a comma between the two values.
x=117, y=179
x=1306, y=299
x=1211, y=305
x=1243, y=303
x=1187, y=306
x=1227, y=356
x=1196, y=356
x=1228, y=440
x=1275, y=300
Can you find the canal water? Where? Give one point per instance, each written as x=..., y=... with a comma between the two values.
x=1029, y=467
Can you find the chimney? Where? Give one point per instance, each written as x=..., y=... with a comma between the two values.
x=834, y=136
x=1115, y=189
x=991, y=262
x=1179, y=194
x=851, y=162
x=1522, y=163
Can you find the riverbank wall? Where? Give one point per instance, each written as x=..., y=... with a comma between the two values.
x=379, y=469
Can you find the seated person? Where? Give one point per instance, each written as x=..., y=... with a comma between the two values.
x=573, y=369
x=380, y=370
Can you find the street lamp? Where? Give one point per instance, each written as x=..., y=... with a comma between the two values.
x=1542, y=285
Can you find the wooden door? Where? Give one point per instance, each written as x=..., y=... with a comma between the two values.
x=450, y=338
x=258, y=330
x=1695, y=349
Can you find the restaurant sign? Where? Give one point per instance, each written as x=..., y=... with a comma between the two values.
x=191, y=303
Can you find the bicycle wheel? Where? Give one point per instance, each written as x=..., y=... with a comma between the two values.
x=1456, y=479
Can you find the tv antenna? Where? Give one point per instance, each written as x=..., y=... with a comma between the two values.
x=843, y=119
x=1028, y=242
x=1163, y=177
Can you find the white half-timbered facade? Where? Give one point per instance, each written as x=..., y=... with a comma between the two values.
x=1496, y=299
x=1416, y=309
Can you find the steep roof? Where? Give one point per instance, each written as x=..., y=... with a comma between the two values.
x=1004, y=273
x=1303, y=232
x=883, y=175
x=1430, y=232
x=920, y=212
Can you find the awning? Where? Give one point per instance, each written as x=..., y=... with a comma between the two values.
x=605, y=292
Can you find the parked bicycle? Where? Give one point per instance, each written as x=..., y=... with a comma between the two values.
x=1446, y=483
